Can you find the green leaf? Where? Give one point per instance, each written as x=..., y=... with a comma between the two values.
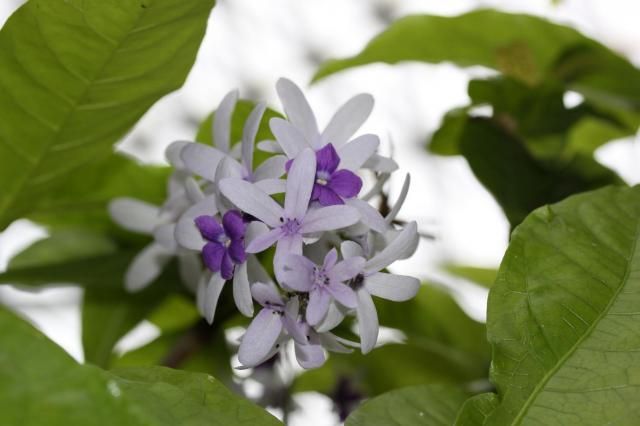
x=563, y=314
x=434, y=404
x=481, y=276
x=40, y=382
x=75, y=75
x=476, y=409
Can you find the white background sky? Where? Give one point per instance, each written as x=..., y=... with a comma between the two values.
x=250, y=44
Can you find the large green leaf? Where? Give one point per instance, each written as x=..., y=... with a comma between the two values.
x=525, y=47
x=75, y=75
x=563, y=316
x=428, y=405
x=41, y=384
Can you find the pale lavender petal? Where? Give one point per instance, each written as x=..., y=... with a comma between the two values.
x=271, y=186
x=287, y=244
x=367, y=321
x=354, y=154
x=270, y=146
x=266, y=294
x=222, y=121
x=264, y=241
x=271, y=168
x=202, y=160
x=146, y=267
x=350, y=249
x=297, y=108
x=345, y=183
x=310, y=356
x=212, y=255
x=398, y=288
x=187, y=233
x=226, y=266
x=333, y=343
x=249, y=133
x=242, y=291
x=297, y=273
x=134, y=215
x=299, y=185
x=369, y=215
x=260, y=338
x=290, y=139
x=233, y=224
x=343, y=294
x=209, y=227
x=173, y=151
x=335, y=315
x=380, y=164
x=297, y=330
x=190, y=269
x=164, y=235
x=330, y=259
x=318, y=306
x=251, y=200
x=228, y=168
x=348, y=119
x=237, y=252
x=327, y=159
x=202, y=292
x=193, y=190
x=329, y=218
x=347, y=269
x=395, y=250
x=400, y=201
x=325, y=196
x=211, y=296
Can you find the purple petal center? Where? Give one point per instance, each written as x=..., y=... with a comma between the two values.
x=290, y=226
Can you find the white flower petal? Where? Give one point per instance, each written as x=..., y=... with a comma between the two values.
x=335, y=315
x=354, y=154
x=164, y=235
x=395, y=250
x=260, y=338
x=173, y=151
x=347, y=269
x=297, y=273
x=332, y=343
x=350, y=249
x=134, y=215
x=186, y=232
x=266, y=293
x=228, y=168
x=297, y=108
x=249, y=133
x=250, y=199
x=202, y=160
x=254, y=230
x=317, y=307
x=400, y=201
x=300, y=184
x=397, y=288
x=368, y=214
x=264, y=241
x=271, y=168
x=367, y=321
x=146, y=267
x=272, y=186
x=310, y=356
x=211, y=296
x=291, y=141
x=241, y=290
x=222, y=121
x=270, y=146
x=381, y=164
x=190, y=269
x=287, y=244
x=193, y=190
x=348, y=119
x=329, y=218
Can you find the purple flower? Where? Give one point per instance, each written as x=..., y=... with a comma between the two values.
x=323, y=283
x=225, y=243
x=331, y=185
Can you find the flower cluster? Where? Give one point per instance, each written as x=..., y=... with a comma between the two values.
x=331, y=246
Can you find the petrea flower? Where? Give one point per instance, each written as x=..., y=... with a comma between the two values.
x=369, y=281
x=332, y=185
x=206, y=161
x=301, y=130
x=225, y=242
x=293, y=222
x=323, y=283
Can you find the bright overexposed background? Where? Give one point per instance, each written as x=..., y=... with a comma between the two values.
x=250, y=44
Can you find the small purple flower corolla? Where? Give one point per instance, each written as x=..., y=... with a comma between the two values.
x=331, y=185
x=225, y=243
x=323, y=283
